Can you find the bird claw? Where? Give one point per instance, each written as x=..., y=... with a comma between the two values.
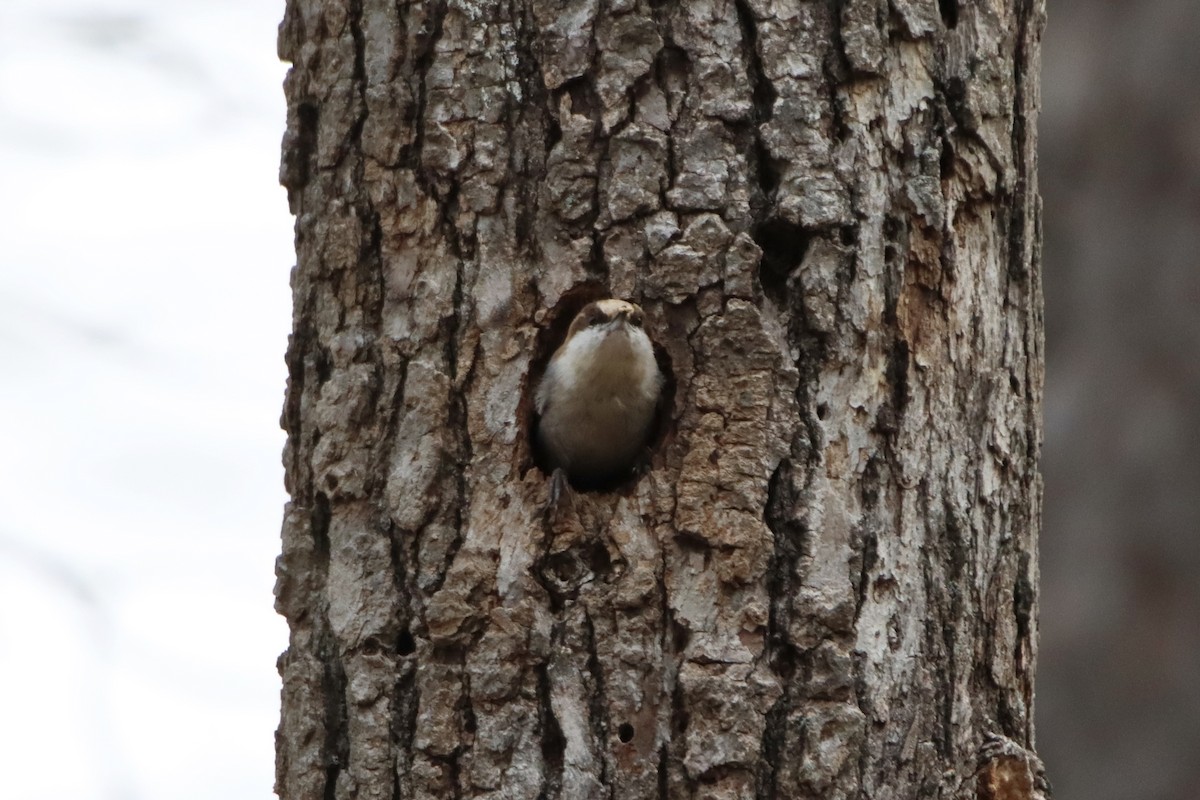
x=642, y=467
x=559, y=487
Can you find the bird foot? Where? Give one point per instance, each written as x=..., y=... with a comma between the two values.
x=559, y=488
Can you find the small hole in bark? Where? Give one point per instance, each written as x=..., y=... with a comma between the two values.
x=769, y=169
x=584, y=100
x=323, y=362
x=308, y=115
x=897, y=375
x=680, y=636
x=955, y=93
x=946, y=160
x=764, y=93
x=822, y=410
x=625, y=732
x=598, y=561
x=553, y=134
x=783, y=246
x=680, y=716
x=406, y=645
x=299, y=156
x=560, y=573
x=672, y=62
x=892, y=228
x=319, y=519
x=949, y=9
x=553, y=744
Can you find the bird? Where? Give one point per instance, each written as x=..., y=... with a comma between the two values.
x=597, y=400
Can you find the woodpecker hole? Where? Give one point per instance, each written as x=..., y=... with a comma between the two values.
x=625, y=732
x=949, y=11
x=406, y=645
x=783, y=247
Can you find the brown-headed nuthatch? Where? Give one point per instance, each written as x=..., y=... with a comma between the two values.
x=597, y=401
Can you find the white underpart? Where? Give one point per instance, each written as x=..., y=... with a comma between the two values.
x=597, y=399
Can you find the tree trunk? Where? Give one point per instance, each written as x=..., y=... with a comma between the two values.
x=824, y=585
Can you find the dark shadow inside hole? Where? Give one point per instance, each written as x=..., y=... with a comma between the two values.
x=783, y=246
x=553, y=134
x=625, y=732
x=949, y=11
x=406, y=645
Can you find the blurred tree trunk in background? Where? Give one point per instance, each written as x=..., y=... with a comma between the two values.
x=825, y=584
x=1118, y=698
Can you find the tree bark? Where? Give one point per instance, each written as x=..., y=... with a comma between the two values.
x=825, y=584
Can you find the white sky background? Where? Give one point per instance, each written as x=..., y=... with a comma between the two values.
x=145, y=247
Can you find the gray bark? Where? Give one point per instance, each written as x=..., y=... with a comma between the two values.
x=824, y=586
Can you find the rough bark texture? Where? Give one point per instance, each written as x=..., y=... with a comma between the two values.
x=825, y=584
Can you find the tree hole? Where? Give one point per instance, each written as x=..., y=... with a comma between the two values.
x=553, y=134
x=406, y=645
x=585, y=102
x=949, y=11
x=680, y=636
x=625, y=732
x=783, y=247
x=768, y=169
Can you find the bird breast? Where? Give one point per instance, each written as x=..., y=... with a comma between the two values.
x=597, y=401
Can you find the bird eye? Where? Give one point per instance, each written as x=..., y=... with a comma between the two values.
x=597, y=319
x=636, y=319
